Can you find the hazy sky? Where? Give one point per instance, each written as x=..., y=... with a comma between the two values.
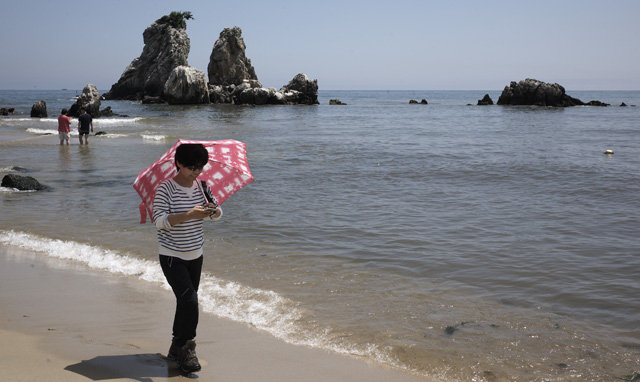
x=347, y=44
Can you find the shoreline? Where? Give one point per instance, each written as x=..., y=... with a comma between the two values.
x=25, y=138
x=65, y=322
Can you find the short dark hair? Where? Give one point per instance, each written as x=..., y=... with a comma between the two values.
x=64, y=111
x=192, y=154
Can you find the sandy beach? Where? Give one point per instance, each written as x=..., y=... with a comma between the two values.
x=62, y=321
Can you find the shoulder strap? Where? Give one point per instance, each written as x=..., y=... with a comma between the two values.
x=203, y=187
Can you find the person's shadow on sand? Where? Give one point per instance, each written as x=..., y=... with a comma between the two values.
x=139, y=367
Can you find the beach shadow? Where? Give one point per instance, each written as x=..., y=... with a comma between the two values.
x=139, y=367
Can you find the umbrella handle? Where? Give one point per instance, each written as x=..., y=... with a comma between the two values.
x=143, y=213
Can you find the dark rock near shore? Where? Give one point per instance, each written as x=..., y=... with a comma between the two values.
x=106, y=112
x=7, y=110
x=22, y=183
x=89, y=100
x=166, y=47
x=336, y=102
x=423, y=102
x=228, y=63
x=486, y=100
x=538, y=93
x=39, y=110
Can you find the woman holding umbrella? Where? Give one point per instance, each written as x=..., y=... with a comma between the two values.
x=180, y=205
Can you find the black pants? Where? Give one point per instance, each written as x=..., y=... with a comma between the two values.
x=184, y=278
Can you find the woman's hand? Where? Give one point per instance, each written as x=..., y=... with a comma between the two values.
x=201, y=212
x=197, y=212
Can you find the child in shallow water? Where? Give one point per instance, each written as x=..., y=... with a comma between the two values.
x=64, y=126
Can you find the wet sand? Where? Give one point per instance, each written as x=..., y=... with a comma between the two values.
x=61, y=321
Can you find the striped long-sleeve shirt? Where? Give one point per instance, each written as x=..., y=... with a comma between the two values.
x=184, y=240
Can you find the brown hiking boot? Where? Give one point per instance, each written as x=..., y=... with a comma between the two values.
x=187, y=359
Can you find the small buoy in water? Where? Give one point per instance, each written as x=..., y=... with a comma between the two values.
x=608, y=152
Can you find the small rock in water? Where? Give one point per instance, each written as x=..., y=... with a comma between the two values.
x=22, y=183
x=450, y=330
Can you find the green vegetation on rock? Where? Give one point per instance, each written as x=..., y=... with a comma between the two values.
x=176, y=19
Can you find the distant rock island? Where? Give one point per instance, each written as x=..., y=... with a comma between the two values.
x=162, y=73
x=538, y=93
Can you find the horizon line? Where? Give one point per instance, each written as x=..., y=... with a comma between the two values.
x=372, y=90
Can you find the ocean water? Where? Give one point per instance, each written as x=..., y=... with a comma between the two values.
x=459, y=242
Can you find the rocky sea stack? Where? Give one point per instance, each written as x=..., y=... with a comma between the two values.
x=232, y=78
x=166, y=46
x=161, y=73
x=228, y=63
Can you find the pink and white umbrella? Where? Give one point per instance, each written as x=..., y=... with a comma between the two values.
x=227, y=172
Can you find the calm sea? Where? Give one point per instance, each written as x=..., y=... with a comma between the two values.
x=466, y=243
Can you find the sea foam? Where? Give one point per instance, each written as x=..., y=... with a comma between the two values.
x=115, y=121
x=96, y=121
x=263, y=309
x=94, y=257
x=151, y=137
x=33, y=130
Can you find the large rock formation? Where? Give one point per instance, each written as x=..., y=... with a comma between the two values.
x=186, y=85
x=88, y=100
x=228, y=64
x=166, y=46
x=39, y=109
x=538, y=93
x=161, y=73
